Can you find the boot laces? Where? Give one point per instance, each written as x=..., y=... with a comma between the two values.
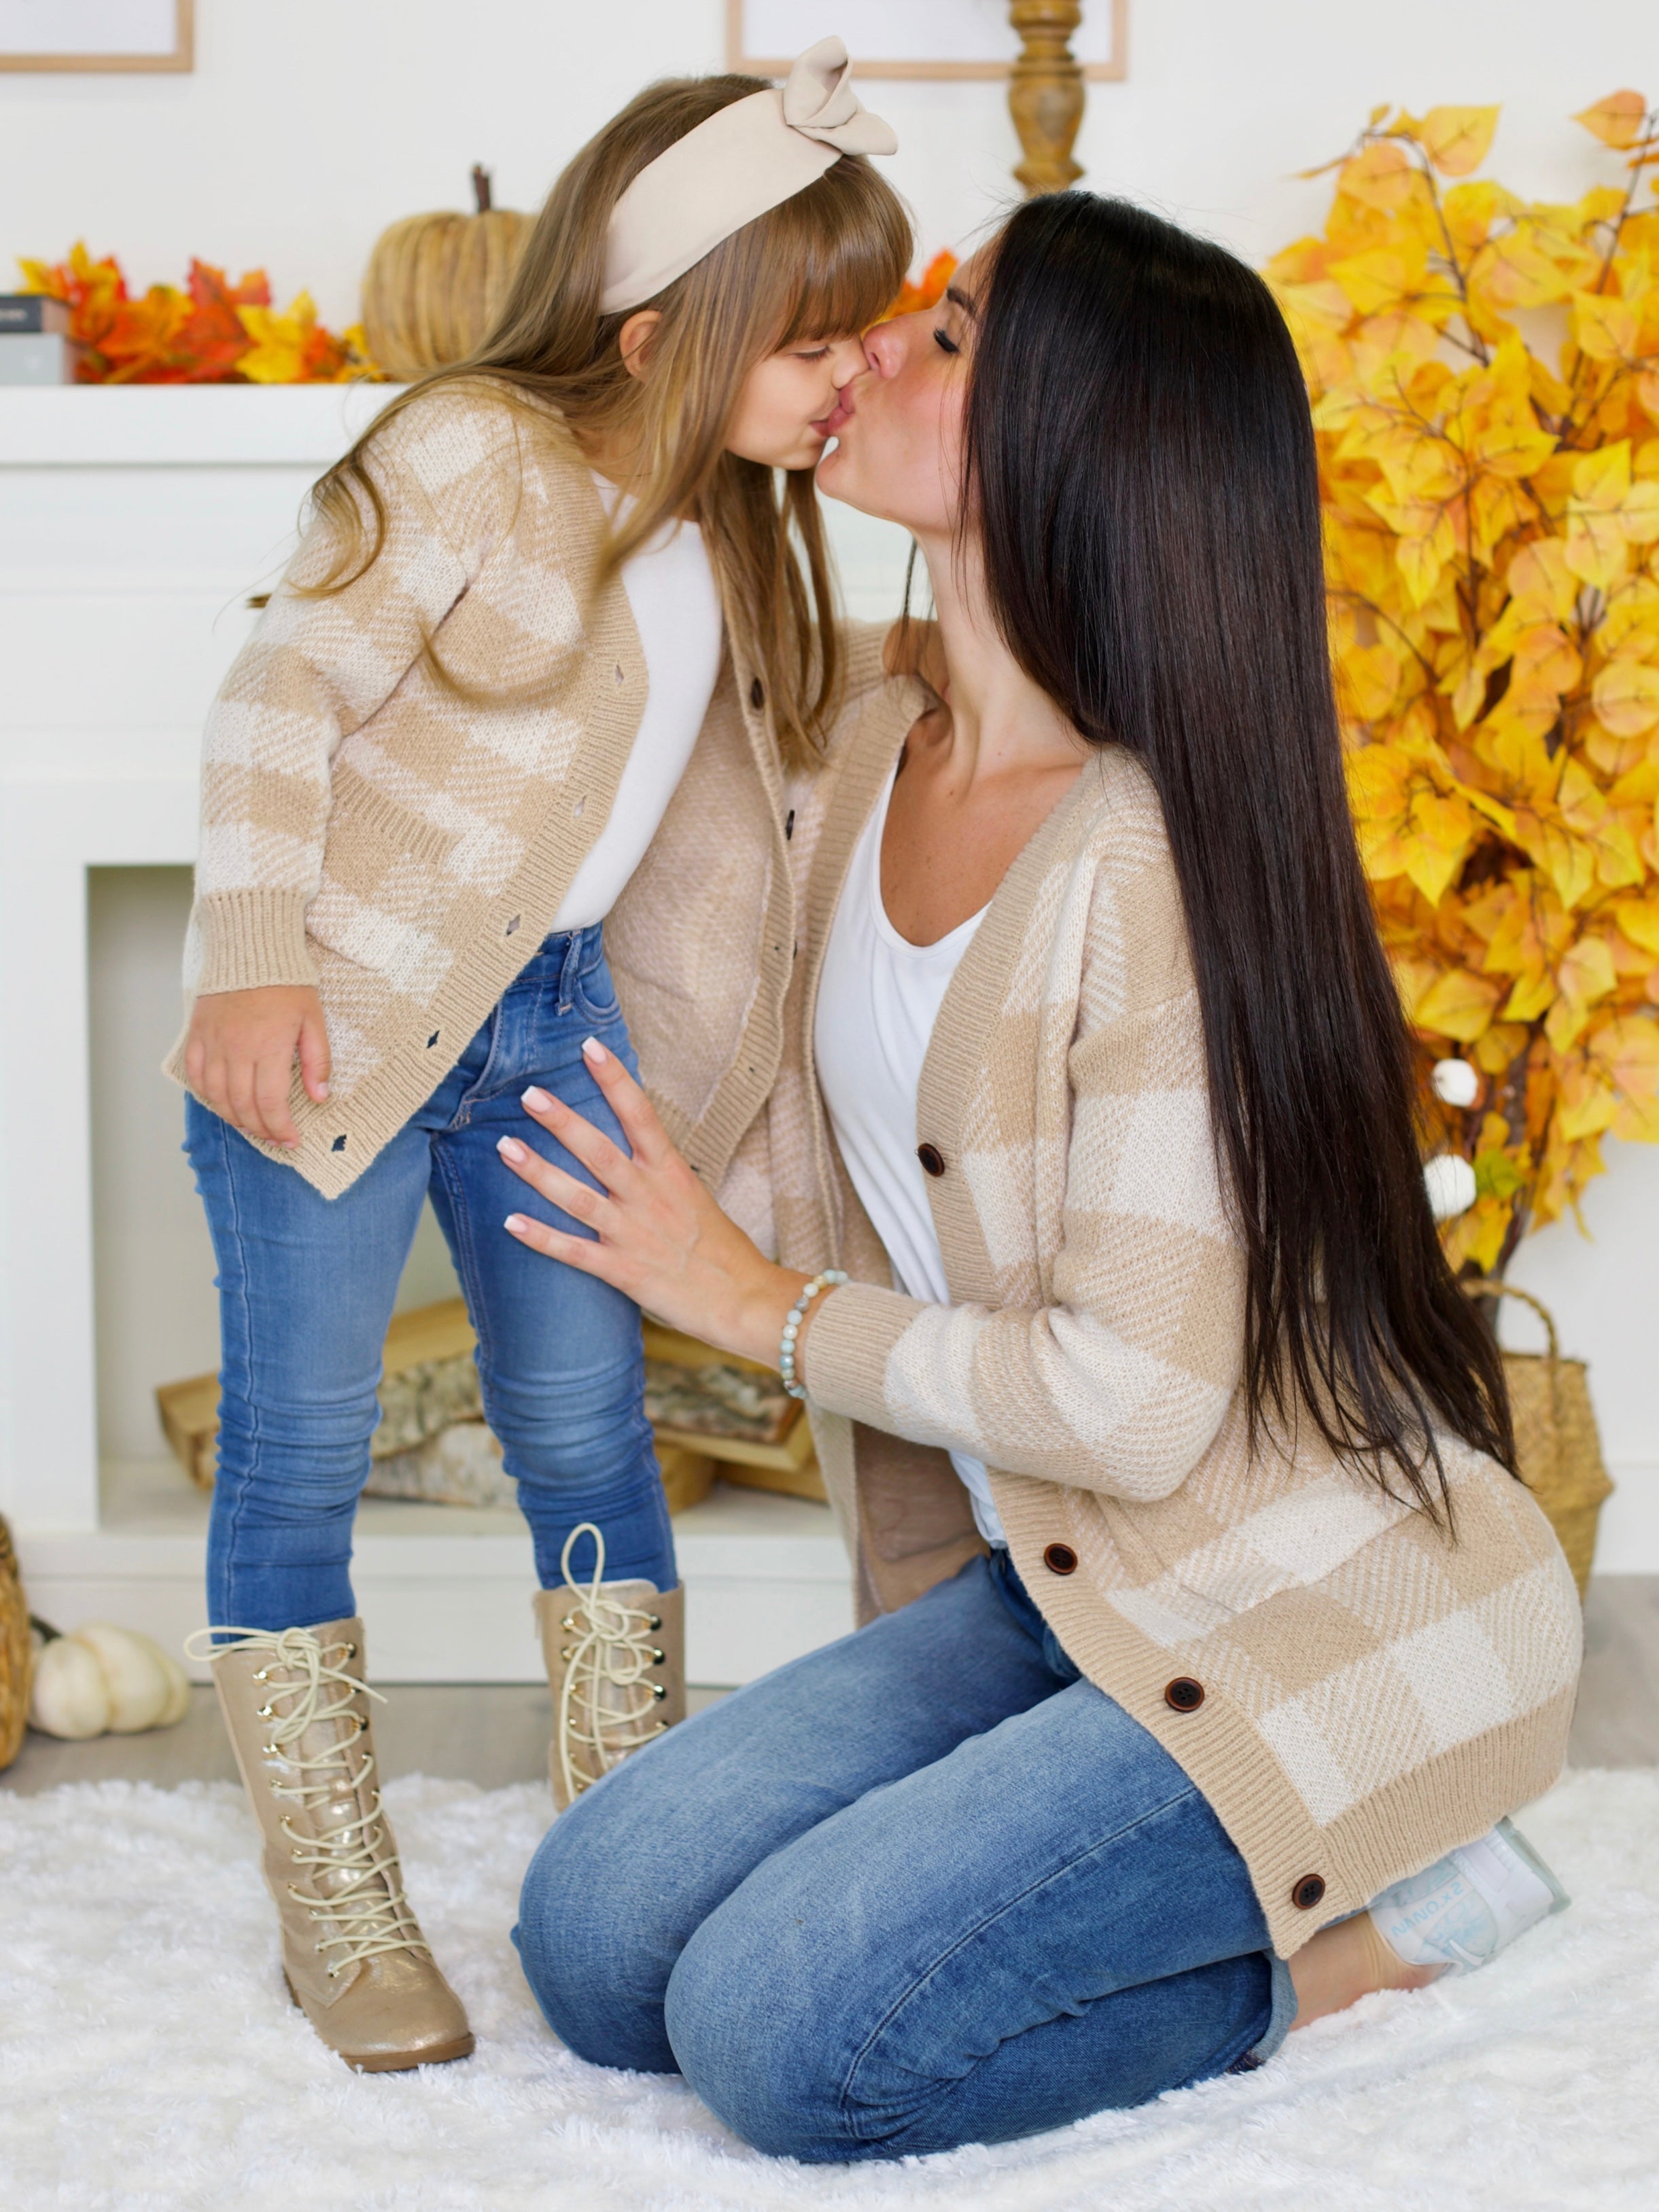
x=607, y=1703
x=363, y=1905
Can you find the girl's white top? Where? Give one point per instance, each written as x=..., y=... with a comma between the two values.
x=675, y=606
x=878, y=997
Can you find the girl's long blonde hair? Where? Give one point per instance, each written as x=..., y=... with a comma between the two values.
x=825, y=264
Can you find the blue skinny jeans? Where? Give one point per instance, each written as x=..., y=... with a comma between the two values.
x=305, y=1290
x=924, y=1887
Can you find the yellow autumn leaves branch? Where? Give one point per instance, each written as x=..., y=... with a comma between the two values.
x=1484, y=377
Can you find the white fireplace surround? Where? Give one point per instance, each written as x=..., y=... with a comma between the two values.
x=137, y=522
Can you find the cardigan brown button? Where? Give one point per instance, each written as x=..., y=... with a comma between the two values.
x=931, y=1158
x=1059, y=1560
x=757, y=695
x=1308, y=1892
x=1184, y=1695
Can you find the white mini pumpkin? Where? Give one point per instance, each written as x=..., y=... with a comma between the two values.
x=104, y=1678
x=69, y=1695
x=1456, y=1082
x=1450, y=1183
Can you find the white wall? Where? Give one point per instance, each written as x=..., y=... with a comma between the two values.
x=307, y=127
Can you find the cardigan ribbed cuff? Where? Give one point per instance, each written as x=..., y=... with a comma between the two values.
x=251, y=938
x=846, y=1351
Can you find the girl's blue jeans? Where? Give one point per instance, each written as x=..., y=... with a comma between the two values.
x=924, y=1887
x=305, y=1291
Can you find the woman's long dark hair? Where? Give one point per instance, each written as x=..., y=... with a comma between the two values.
x=1140, y=461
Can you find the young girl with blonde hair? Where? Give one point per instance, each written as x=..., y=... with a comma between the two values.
x=504, y=755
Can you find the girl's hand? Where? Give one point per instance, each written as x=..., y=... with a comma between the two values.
x=661, y=1238
x=240, y=1055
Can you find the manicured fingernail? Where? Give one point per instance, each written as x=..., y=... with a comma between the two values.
x=592, y=1050
x=515, y=1224
x=536, y=1100
x=322, y=1090
x=511, y=1149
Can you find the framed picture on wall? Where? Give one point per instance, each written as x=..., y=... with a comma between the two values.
x=96, y=34
x=914, y=38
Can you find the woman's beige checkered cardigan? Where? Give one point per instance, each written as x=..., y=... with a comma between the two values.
x=405, y=844
x=1372, y=1693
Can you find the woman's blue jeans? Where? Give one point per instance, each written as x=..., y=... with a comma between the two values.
x=305, y=1291
x=924, y=1887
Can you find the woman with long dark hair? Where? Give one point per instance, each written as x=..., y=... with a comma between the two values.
x=1202, y=1605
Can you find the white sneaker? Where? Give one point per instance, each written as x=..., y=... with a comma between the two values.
x=1470, y=1905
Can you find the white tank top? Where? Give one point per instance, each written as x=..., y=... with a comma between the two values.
x=879, y=998
x=676, y=606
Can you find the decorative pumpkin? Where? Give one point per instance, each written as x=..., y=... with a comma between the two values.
x=103, y=1679
x=435, y=283
x=1451, y=1185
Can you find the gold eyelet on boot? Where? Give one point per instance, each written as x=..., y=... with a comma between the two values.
x=605, y=1702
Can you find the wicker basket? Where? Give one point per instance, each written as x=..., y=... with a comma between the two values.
x=14, y=1660
x=1556, y=1445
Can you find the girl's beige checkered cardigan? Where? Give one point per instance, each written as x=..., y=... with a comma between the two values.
x=1353, y=1693
x=404, y=843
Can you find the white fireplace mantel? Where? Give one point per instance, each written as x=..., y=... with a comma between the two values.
x=296, y=426
x=136, y=524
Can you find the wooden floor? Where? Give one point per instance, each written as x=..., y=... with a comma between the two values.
x=493, y=1735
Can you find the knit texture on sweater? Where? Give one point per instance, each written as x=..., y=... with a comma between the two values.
x=1372, y=1692
x=402, y=842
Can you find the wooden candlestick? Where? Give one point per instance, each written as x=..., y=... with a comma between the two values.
x=1046, y=94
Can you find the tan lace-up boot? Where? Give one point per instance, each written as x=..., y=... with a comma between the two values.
x=616, y=1665
x=297, y=1709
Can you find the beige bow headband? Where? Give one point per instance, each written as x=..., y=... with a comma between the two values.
x=747, y=158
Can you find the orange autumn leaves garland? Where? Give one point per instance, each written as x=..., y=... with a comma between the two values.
x=927, y=290
x=211, y=332
x=216, y=332
x=1485, y=372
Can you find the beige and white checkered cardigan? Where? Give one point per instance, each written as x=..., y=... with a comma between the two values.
x=404, y=845
x=1372, y=1693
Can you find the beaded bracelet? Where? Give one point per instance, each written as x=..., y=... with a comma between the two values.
x=827, y=1281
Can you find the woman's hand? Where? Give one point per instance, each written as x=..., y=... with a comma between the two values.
x=662, y=1240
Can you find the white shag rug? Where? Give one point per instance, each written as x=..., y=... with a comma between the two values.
x=150, y=2060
